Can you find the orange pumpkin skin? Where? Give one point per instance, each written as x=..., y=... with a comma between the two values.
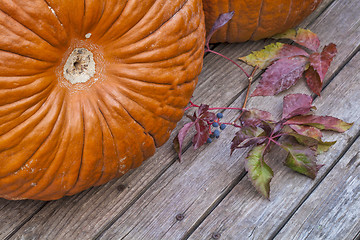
x=256, y=19
x=58, y=138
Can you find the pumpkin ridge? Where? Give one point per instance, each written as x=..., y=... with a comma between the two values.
x=23, y=190
x=130, y=115
x=38, y=35
x=41, y=101
x=30, y=57
x=119, y=16
x=162, y=59
x=52, y=161
x=38, y=119
x=259, y=19
x=54, y=12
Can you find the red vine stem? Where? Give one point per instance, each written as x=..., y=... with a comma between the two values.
x=219, y=54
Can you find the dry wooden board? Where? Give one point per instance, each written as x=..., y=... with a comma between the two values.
x=332, y=211
x=14, y=213
x=192, y=196
x=243, y=215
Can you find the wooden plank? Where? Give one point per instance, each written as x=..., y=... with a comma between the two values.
x=87, y=213
x=15, y=213
x=332, y=211
x=245, y=215
x=202, y=178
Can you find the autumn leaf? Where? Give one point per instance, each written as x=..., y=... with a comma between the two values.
x=247, y=136
x=219, y=22
x=302, y=159
x=259, y=172
x=179, y=139
x=271, y=53
x=296, y=104
x=324, y=147
x=305, y=135
x=280, y=76
x=321, y=122
x=254, y=117
x=319, y=65
x=303, y=37
x=202, y=134
x=313, y=80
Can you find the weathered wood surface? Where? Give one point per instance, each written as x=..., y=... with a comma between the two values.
x=209, y=187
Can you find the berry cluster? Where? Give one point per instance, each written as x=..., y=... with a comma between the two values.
x=216, y=124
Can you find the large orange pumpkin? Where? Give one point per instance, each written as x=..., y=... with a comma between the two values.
x=256, y=19
x=89, y=89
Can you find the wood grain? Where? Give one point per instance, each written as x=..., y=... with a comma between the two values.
x=332, y=210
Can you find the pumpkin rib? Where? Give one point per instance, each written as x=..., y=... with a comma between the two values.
x=21, y=167
x=156, y=50
x=54, y=12
x=30, y=57
x=41, y=101
x=161, y=25
x=259, y=19
x=127, y=114
x=29, y=29
x=32, y=192
x=119, y=16
x=135, y=120
x=23, y=190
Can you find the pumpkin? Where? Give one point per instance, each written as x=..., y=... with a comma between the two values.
x=89, y=89
x=256, y=19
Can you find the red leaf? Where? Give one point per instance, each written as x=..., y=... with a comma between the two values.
x=296, y=104
x=202, y=134
x=179, y=139
x=313, y=80
x=321, y=122
x=321, y=61
x=280, y=76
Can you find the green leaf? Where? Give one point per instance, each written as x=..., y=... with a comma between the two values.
x=302, y=159
x=271, y=53
x=259, y=172
x=324, y=147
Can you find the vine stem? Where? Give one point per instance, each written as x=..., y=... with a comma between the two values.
x=219, y=54
x=250, y=79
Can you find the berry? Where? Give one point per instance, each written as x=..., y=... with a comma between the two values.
x=219, y=115
x=215, y=124
x=209, y=140
x=222, y=126
x=212, y=135
x=217, y=133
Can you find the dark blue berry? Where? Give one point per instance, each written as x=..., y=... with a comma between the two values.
x=217, y=133
x=222, y=126
x=209, y=140
x=212, y=135
x=219, y=115
x=215, y=124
